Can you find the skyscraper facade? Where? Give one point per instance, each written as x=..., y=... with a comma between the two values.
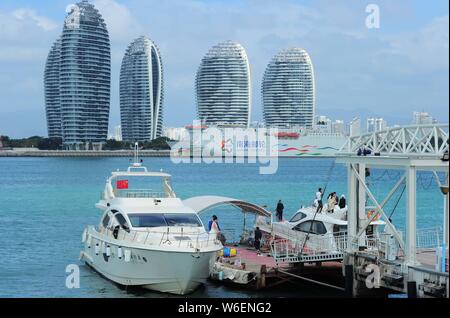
x=141, y=91
x=52, y=91
x=223, y=86
x=288, y=90
x=83, y=58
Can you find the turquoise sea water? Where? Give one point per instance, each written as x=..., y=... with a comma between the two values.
x=45, y=203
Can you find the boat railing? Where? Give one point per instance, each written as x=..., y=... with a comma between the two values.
x=384, y=244
x=303, y=245
x=182, y=238
x=140, y=193
x=428, y=238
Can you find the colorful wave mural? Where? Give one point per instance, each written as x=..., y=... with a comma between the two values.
x=304, y=150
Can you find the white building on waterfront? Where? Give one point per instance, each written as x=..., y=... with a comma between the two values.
x=223, y=86
x=77, y=80
x=288, y=90
x=422, y=118
x=376, y=124
x=118, y=133
x=175, y=133
x=355, y=127
x=141, y=91
x=338, y=127
x=322, y=124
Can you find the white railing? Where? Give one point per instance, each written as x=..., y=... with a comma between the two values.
x=293, y=247
x=182, y=238
x=325, y=245
x=429, y=238
x=140, y=193
x=413, y=140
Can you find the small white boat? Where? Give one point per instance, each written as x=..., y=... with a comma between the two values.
x=311, y=233
x=148, y=238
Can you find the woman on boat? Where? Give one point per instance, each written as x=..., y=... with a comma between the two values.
x=213, y=227
x=331, y=203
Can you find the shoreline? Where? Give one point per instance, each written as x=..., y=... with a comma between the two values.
x=83, y=153
x=110, y=153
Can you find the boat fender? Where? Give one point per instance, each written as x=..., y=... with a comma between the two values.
x=108, y=251
x=83, y=236
x=127, y=254
x=103, y=247
x=119, y=252
x=221, y=275
x=96, y=249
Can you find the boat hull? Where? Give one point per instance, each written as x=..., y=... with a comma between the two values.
x=163, y=271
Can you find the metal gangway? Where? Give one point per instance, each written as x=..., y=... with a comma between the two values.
x=332, y=247
x=309, y=249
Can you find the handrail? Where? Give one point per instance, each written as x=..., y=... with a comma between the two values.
x=201, y=239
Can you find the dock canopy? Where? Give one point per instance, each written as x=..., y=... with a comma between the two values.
x=203, y=203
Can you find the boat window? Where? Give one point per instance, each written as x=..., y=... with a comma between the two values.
x=317, y=227
x=182, y=219
x=123, y=223
x=106, y=221
x=298, y=216
x=339, y=228
x=147, y=220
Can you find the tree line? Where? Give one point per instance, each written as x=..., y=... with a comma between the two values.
x=43, y=143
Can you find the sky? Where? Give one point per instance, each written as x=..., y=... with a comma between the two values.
x=389, y=71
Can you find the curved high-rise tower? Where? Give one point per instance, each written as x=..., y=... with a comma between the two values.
x=52, y=91
x=141, y=91
x=288, y=90
x=223, y=86
x=85, y=77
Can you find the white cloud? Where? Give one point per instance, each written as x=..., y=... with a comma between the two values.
x=427, y=49
x=24, y=54
x=44, y=23
x=121, y=24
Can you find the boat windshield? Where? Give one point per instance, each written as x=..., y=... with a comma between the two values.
x=141, y=187
x=164, y=220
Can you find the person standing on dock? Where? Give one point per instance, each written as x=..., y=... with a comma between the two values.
x=279, y=211
x=342, y=203
x=319, y=194
x=258, y=237
x=213, y=227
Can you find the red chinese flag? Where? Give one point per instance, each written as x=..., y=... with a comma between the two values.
x=122, y=184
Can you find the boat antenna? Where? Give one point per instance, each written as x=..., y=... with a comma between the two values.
x=136, y=162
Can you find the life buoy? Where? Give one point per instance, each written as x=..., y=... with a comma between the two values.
x=371, y=213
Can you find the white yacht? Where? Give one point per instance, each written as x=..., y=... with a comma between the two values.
x=148, y=238
x=315, y=233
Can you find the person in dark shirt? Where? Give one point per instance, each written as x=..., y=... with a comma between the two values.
x=279, y=211
x=342, y=202
x=258, y=236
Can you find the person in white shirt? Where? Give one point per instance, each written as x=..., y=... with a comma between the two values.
x=319, y=194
